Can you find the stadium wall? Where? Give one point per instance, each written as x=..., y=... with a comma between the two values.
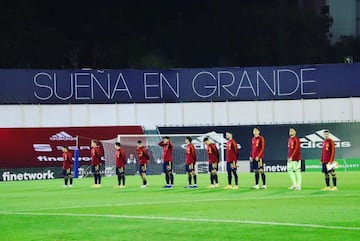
x=183, y=114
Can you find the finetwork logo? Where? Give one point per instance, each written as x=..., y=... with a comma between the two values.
x=62, y=136
x=8, y=176
x=316, y=139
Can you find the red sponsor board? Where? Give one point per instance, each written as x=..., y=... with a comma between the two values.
x=41, y=147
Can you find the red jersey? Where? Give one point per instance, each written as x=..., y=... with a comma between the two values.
x=294, y=148
x=167, y=150
x=120, y=158
x=213, y=153
x=231, y=151
x=328, y=151
x=257, y=147
x=96, y=154
x=190, y=154
x=143, y=155
x=68, y=160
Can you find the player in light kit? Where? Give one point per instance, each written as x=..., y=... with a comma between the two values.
x=96, y=154
x=167, y=164
x=294, y=160
x=67, y=165
x=143, y=162
x=120, y=161
x=190, y=159
x=231, y=160
x=213, y=159
x=328, y=157
x=256, y=157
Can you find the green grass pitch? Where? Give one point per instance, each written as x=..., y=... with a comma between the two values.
x=44, y=210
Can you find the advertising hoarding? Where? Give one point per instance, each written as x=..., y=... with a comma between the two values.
x=345, y=135
x=42, y=147
x=38, y=86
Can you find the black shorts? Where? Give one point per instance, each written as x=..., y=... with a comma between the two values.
x=66, y=172
x=142, y=168
x=257, y=165
x=120, y=170
x=167, y=166
x=213, y=167
x=95, y=169
x=325, y=170
x=190, y=167
x=231, y=166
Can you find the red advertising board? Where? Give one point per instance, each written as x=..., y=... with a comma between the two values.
x=41, y=147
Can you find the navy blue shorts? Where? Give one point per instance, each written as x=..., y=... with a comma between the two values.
x=66, y=172
x=95, y=169
x=190, y=167
x=257, y=165
x=213, y=167
x=167, y=166
x=142, y=168
x=231, y=166
x=120, y=170
x=325, y=170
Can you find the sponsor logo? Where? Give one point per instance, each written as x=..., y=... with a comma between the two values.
x=275, y=168
x=60, y=159
x=85, y=171
x=316, y=139
x=8, y=176
x=350, y=166
x=48, y=148
x=42, y=147
x=202, y=167
x=62, y=136
x=314, y=167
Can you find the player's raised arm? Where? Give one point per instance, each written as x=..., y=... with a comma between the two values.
x=167, y=161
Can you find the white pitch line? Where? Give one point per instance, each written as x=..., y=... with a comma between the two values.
x=179, y=201
x=301, y=225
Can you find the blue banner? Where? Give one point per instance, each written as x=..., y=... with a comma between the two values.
x=36, y=86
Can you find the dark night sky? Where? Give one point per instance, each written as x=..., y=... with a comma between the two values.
x=162, y=34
